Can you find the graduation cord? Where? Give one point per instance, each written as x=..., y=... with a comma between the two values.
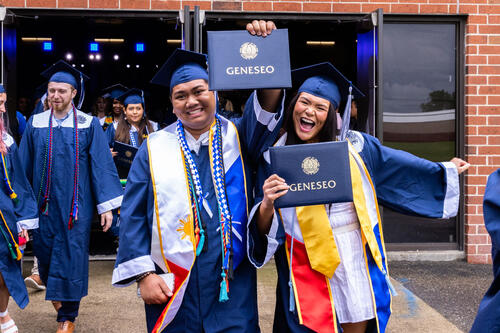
x=47, y=170
x=8, y=185
x=195, y=188
x=199, y=230
x=17, y=254
x=73, y=217
x=223, y=209
x=224, y=213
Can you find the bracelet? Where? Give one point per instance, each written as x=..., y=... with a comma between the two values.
x=142, y=276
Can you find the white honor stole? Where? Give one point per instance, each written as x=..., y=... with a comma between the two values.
x=173, y=246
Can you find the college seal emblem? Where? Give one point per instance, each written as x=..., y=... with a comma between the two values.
x=310, y=165
x=249, y=51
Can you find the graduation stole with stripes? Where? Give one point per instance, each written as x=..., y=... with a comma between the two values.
x=47, y=170
x=197, y=199
x=311, y=269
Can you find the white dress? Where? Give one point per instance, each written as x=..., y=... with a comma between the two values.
x=351, y=290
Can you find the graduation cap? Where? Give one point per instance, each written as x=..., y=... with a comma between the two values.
x=182, y=66
x=61, y=71
x=114, y=91
x=2, y=89
x=132, y=96
x=325, y=81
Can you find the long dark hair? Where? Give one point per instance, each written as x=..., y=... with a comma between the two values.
x=328, y=132
x=122, y=133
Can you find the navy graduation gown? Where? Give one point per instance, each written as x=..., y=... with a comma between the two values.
x=488, y=314
x=20, y=215
x=402, y=181
x=200, y=310
x=62, y=253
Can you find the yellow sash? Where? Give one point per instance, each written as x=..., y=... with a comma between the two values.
x=318, y=239
x=317, y=233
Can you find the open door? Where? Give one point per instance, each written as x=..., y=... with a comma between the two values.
x=369, y=73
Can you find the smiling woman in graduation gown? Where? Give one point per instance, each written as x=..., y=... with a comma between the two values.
x=338, y=275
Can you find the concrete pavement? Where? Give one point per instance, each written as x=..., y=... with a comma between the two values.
x=109, y=309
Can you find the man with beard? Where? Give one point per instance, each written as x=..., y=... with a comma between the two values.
x=67, y=161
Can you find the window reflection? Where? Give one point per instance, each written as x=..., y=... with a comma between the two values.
x=419, y=89
x=419, y=112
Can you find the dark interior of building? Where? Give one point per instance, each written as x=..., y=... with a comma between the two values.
x=116, y=58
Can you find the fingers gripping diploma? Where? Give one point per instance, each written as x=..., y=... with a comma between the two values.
x=154, y=290
x=261, y=27
x=273, y=188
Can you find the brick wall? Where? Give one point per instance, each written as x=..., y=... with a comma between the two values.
x=482, y=110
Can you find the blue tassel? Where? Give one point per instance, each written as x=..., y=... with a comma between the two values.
x=389, y=284
x=201, y=243
x=292, y=298
x=223, y=289
x=225, y=263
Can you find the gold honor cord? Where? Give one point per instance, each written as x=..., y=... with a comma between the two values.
x=318, y=239
x=12, y=194
x=17, y=255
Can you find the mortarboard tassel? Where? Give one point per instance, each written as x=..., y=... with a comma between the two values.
x=204, y=248
x=223, y=297
x=16, y=255
x=201, y=242
x=18, y=252
x=292, y=297
x=12, y=253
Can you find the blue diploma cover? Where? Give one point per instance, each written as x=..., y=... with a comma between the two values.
x=125, y=157
x=317, y=173
x=238, y=60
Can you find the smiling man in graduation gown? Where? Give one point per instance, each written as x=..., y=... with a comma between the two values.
x=186, y=204
x=68, y=162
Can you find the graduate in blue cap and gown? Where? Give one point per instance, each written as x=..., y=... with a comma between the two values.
x=135, y=126
x=67, y=161
x=488, y=314
x=18, y=213
x=185, y=207
x=112, y=93
x=332, y=269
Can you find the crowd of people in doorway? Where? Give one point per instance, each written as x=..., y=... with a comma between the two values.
x=196, y=217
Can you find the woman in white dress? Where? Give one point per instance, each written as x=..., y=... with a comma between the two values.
x=330, y=258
